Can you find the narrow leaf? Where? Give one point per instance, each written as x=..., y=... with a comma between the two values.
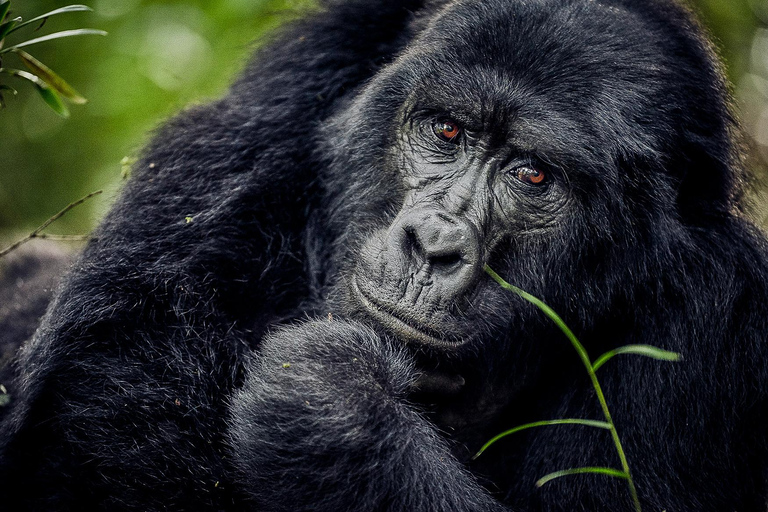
x=641, y=350
x=547, y=311
x=7, y=27
x=53, y=100
x=4, y=6
x=567, y=421
x=51, y=78
x=49, y=95
x=62, y=10
x=57, y=35
x=580, y=471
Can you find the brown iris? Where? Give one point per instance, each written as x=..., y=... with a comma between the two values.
x=530, y=175
x=447, y=130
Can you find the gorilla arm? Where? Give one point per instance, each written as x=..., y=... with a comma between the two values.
x=322, y=424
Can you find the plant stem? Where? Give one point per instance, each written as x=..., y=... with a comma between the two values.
x=590, y=370
x=36, y=233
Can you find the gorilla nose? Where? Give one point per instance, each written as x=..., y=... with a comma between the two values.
x=445, y=243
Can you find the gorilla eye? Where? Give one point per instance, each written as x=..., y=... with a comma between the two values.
x=530, y=175
x=447, y=131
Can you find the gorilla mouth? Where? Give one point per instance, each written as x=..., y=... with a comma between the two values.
x=401, y=325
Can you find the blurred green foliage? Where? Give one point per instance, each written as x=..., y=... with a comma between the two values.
x=161, y=55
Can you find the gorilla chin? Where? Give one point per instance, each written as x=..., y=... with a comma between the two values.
x=406, y=326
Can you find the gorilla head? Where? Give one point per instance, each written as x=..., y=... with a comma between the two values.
x=545, y=139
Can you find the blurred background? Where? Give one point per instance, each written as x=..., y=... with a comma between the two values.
x=161, y=55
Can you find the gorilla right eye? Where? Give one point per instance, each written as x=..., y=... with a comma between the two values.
x=528, y=174
x=447, y=130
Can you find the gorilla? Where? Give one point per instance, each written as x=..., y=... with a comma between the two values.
x=286, y=309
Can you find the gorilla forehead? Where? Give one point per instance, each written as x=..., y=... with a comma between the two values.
x=591, y=83
x=601, y=62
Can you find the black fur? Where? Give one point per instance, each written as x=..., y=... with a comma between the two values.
x=28, y=277
x=154, y=382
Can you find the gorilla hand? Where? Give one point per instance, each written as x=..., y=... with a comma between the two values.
x=322, y=424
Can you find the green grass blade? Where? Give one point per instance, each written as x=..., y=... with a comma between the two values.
x=49, y=95
x=51, y=78
x=547, y=311
x=580, y=471
x=641, y=350
x=567, y=421
x=57, y=35
x=62, y=10
x=590, y=370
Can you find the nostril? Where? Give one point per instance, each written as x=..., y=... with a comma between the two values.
x=427, y=237
x=432, y=250
x=411, y=244
x=445, y=260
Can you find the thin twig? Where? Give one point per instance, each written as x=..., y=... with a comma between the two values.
x=37, y=232
x=63, y=238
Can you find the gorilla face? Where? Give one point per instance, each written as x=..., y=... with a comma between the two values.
x=465, y=191
x=510, y=160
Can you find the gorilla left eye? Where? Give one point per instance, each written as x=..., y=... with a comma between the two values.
x=447, y=131
x=530, y=175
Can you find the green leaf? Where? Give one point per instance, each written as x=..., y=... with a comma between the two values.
x=567, y=421
x=7, y=27
x=62, y=10
x=53, y=100
x=4, y=6
x=641, y=350
x=49, y=95
x=547, y=311
x=57, y=35
x=51, y=78
x=584, y=356
x=580, y=471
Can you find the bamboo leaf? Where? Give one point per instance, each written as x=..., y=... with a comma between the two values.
x=49, y=95
x=567, y=421
x=580, y=471
x=57, y=35
x=641, y=350
x=51, y=78
x=62, y=10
